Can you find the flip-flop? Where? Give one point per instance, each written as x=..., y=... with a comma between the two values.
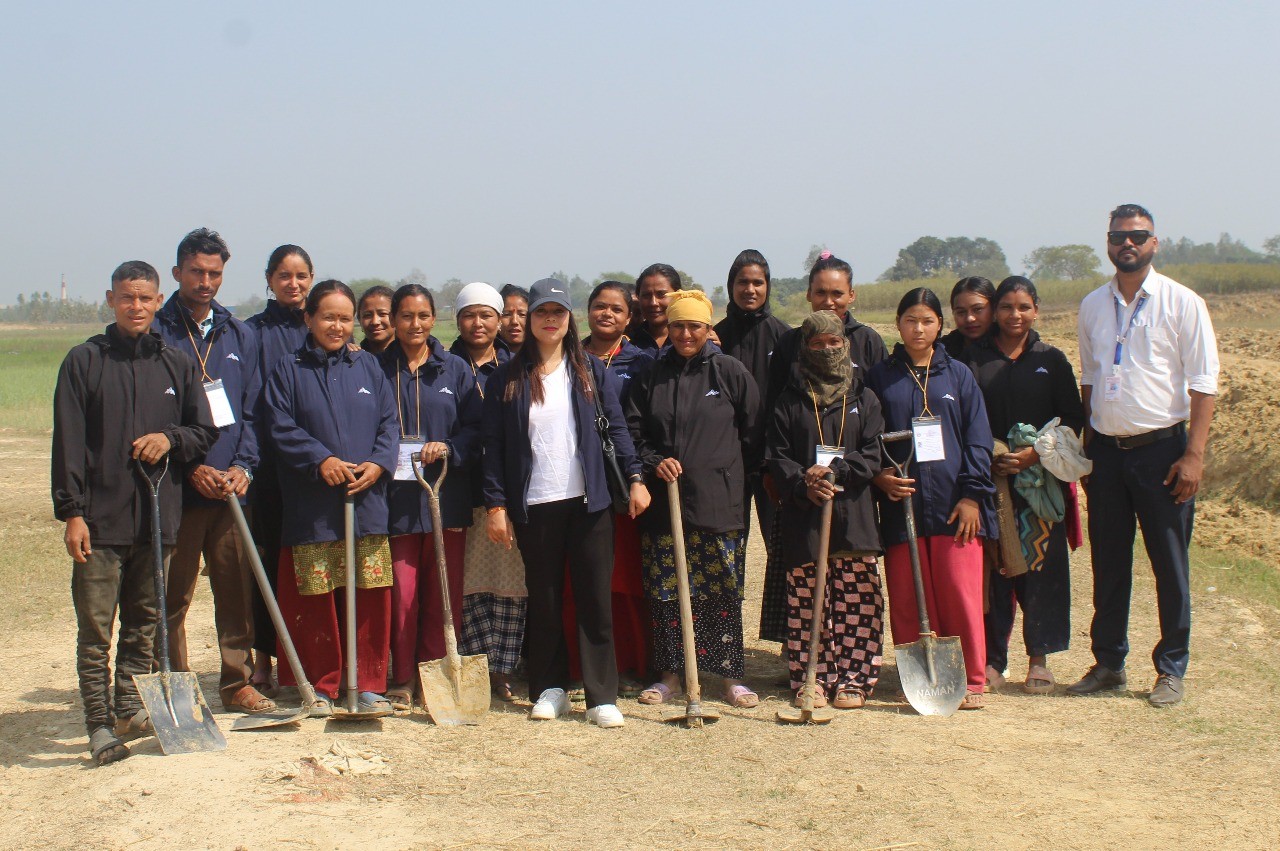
x=656, y=694
x=503, y=692
x=741, y=697
x=401, y=698
x=250, y=701
x=1039, y=680
x=132, y=726
x=323, y=707
x=849, y=698
x=106, y=747
x=371, y=700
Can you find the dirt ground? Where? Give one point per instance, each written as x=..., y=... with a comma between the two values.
x=1027, y=772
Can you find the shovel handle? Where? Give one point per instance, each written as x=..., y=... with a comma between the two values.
x=818, y=619
x=157, y=555
x=437, y=534
x=908, y=508
x=349, y=523
x=269, y=599
x=693, y=690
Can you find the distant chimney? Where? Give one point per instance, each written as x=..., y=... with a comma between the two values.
x=64, y=289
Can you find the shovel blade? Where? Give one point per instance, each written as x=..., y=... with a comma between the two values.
x=268, y=719
x=455, y=692
x=178, y=712
x=692, y=715
x=927, y=696
x=795, y=715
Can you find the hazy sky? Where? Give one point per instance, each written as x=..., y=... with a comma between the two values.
x=502, y=142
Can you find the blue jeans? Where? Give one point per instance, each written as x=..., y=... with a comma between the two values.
x=1126, y=489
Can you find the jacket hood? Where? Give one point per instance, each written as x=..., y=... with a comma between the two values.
x=135, y=347
x=175, y=314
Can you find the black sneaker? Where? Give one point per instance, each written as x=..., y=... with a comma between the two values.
x=1168, y=691
x=1099, y=678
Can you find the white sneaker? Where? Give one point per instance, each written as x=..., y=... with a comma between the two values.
x=605, y=715
x=552, y=703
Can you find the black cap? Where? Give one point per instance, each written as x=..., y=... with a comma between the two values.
x=549, y=290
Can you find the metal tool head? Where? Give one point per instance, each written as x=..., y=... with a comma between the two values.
x=178, y=712
x=457, y=693
x=796, y=715
x=932, y=673
x=269, y=719
x=693, y=715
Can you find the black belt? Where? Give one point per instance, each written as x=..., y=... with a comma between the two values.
x=1139, y=440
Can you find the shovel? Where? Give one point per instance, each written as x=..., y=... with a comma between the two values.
x=352, y=711
x=931, y=668
x=806, y=713
x=455, y=689
x=694, y=714
x=174, y=702
x=274, y=719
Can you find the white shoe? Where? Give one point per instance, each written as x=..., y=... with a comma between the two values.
x=605, y=715
x=552, y=703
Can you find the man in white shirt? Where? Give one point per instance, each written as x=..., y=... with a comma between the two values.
x=1149, y=362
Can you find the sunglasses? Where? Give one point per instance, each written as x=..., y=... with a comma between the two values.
x=1137, y=237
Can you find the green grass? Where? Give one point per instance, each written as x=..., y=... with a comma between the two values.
x=30, y=359
x=1235, y=576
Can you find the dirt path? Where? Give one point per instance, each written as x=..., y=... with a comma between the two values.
x=1028, y=772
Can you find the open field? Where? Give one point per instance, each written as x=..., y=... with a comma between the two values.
x=1027, y=772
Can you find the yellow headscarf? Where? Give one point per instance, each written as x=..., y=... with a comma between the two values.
x=689, y=306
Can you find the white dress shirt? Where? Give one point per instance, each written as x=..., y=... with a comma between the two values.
x=1169, y=349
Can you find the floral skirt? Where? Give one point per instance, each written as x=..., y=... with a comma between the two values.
x=717, y=564
x=320, y=568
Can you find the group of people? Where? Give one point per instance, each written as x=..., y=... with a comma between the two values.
x=564, y=454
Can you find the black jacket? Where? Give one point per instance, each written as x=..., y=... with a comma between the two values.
x=704, y=412
x=752, y=338
x=508, y=456
x=866, y=349
x=790, y=450
x=954, y=342
x=1033, y=389
x=112, y=390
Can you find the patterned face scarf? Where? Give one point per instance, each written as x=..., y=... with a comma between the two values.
x=829, y=372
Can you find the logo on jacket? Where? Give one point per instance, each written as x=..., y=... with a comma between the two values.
x=446, y=390
x=713, y=392
x=233, y=356
x=1042, y=369
x=364, y=391
x=169, y=391
x=948, y=396
x=625, y=376
x=854, y=409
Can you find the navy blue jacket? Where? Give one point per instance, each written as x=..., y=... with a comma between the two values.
x=231, y=354
x=281, y=331
x=322, y=404
x=629, y=364
x=955, y=398
x=438, y=402
x=481, y=374
x=508, y=458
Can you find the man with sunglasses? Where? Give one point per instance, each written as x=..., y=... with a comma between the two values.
x=1149, y=364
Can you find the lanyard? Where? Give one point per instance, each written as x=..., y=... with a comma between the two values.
x=616, y=349
x=471, y=363
x=417, y=381
x=202, y=359
x=844, y=410
x=1133, y=317
x=924, y=388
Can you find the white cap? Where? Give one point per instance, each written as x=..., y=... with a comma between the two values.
x=475, y=293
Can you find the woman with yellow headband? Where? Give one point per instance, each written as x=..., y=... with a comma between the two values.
x=695, y=417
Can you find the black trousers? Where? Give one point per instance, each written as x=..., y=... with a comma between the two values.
x=1045, y=598
x=114, y=579
x=266, y=519
x=560, y=532
x=1126, y=490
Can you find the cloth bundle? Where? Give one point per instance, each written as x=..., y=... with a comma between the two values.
x=1061, y=452
x=1038, y=487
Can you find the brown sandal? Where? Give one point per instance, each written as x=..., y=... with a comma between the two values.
x=250, y=701
x=849, y=698
x=819, y=697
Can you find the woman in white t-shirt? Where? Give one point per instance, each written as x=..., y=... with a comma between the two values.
x=545, y=489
